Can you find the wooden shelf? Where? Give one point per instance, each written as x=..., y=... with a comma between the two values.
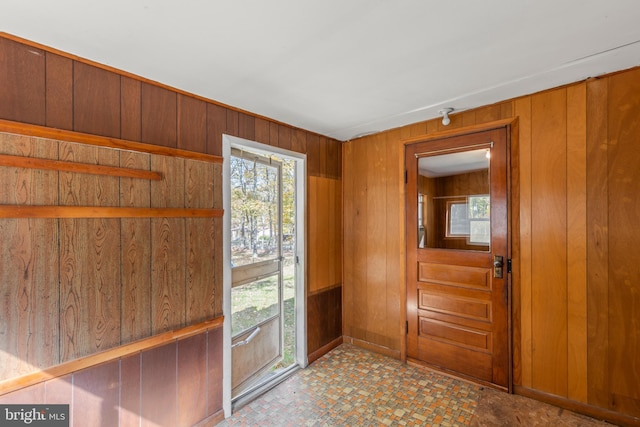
x=12, y=211
x=60, y=165
x=102, y=141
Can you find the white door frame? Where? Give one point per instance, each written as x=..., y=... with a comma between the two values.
x=229, y=141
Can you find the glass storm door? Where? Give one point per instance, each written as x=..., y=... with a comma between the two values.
x=256, y=256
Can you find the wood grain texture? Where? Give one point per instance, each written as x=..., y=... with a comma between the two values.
x=246, y=126
x=32, y=163
x=135, y=255
x=192, y=124
x=59, y=91
x=577, y=243
x=135, y=348
x=348, y=213
x=624, y=273
x=90, y=261
x=597, y=243
x=22, y=73
x=28, y=256
x=100, y=141
x=216, y=126
x=376, y=270
x=158, y=116
x=522, y=368
x=96, y=101
x=130, y=109
x=549, y=242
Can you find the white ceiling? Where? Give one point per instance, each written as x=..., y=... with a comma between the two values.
x=342, y=67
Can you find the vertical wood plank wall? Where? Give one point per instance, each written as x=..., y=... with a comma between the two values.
x=41, y=86
x=576, y=282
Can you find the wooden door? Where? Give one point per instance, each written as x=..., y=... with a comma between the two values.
x=457, y=224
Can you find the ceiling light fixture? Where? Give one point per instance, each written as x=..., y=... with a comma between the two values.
x=445, y=115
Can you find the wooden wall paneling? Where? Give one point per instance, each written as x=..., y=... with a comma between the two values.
x=201, y=243
x=130, y=109
x=22, y=73
x=597, y=243
x=96, y=395
x=333, y=235
x=300, y=141
x=217, y=236
x=324, y=314
x=624, y=274
x=489, y=113
x=246, y=126
x=158, y=115
x=214, y=371
x=416, y=129
x=506, y=110
x=130, y=391
x=360, y=255
x=216, y=126
x=262, y=132
x=233, y=122
x=96, y=100
x=348, y=219
x=284, y=137
x=313, y=155
x=334, y=168
x=192, y=124
x=577, y=242
x=59, y=391
x=192, y=384
x=549, y=242
x=168, y=254
x=522, y=284
x=34, y=395
x=29, y=256
x=323, y=233
x=337, y=232
x=312, y=244
x=59, y=91
x=376, y=241
x=274, y=131
x=468, y=118
x=159, y=386
x=323, y=147
x=395, y=229
x=89, y=257
x=136, y=252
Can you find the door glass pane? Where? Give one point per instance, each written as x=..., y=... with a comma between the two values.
x=454, y=202
x=255, y=234
x=253, y=303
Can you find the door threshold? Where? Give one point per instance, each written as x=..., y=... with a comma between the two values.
x=262, y=387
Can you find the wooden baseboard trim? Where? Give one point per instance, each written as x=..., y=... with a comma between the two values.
x=581, y=408
x=376, y=348
x=324, y=350
x=211, y=420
